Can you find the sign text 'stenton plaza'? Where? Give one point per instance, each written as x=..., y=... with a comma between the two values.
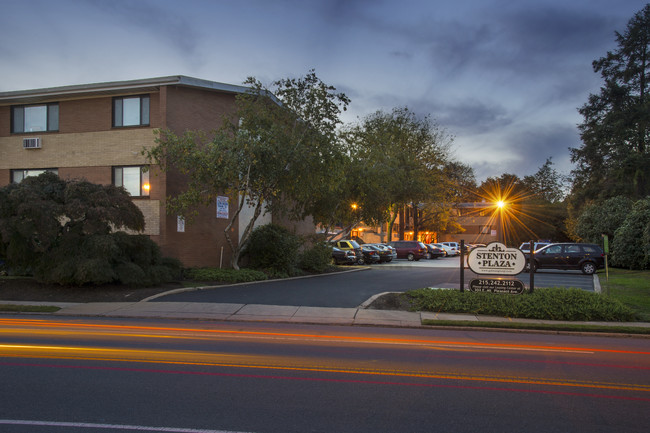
x=496, y=259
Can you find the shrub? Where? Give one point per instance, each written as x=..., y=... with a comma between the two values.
x=134, y=260
x=317, y=258
x=274, y=249
x=544, y=304
x=631, y=244
x=225, y=275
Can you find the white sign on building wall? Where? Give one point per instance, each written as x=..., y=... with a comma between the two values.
x=222, y=207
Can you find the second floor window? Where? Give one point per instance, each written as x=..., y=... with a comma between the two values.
x=35, y=118
x=131, y=111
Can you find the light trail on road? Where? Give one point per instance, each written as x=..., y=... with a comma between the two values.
x=334, y=373
x=211, y=358
x=194, y=333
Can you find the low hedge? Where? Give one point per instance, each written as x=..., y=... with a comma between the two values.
x=544, y=304
x=225, y=275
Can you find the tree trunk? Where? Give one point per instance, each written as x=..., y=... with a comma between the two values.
x=246, y=234
x=416, y=222
x=391, y=223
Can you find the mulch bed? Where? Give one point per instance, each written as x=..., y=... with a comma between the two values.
x=27, y=289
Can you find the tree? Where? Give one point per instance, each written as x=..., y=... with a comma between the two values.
x=460, y=182
x=613, y=159
x=398, y=158
x=546, y=184
x=602, y=218
x=277, y=153
x=62, y=231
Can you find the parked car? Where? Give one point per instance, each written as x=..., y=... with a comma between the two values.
x=341, y=257
x=411, y=250
x=455, y=247
x=525, y=247
x=448, y=250
x=350, y=245
x=386, y=253
x=370, y=254
x=434, y=252
x=586, y=257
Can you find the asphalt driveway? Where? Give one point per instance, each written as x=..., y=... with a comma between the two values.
x=351, y=289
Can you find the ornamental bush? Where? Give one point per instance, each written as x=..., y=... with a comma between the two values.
x=273, y=249
x=631, y=244
x=317, y=258
x=63, y=231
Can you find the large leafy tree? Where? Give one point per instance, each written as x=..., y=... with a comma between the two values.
x=613, y=159
x=277, y=153
x=398, y=158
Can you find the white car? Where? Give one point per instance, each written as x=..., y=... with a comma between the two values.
x=449, y=251
x=454, y=247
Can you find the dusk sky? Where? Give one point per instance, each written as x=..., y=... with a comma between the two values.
x=505, y=78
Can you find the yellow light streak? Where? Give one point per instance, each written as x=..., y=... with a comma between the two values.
x=282, y=363
x=176, y=332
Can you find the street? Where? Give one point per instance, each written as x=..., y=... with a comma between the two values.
x=97, y=375
x=350, y=289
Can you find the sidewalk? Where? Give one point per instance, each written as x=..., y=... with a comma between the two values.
x=284, y=314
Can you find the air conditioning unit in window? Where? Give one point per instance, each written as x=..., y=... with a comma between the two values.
x=31, y=143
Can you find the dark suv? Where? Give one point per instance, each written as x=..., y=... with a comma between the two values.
x=411, y=250
x=586, y=257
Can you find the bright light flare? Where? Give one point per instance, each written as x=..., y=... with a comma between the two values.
x=501, y=204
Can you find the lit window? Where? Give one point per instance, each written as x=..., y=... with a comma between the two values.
x=35, y=118
x=134, y=180
x=18, y=176
x=131, y=111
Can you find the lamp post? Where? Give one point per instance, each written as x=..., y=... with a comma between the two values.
x=355, y=208
x=500, y=226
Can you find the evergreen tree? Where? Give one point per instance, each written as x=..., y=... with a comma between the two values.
x=613, y=159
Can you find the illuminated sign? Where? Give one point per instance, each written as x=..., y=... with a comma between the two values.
x=496, y=259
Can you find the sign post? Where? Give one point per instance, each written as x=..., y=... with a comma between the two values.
x=606, y=249
x=462, y=265
x=531, y=260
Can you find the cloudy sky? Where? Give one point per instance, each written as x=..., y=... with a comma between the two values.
x=505, y=78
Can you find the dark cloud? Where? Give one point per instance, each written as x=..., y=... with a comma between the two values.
x=148, y=17
x=531, y=145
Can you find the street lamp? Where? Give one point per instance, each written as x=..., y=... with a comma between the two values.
x=501, y=205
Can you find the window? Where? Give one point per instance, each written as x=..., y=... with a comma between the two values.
x=134, y=180
x=555, y=249
x=17, y=176
x=35, y=118
x=131, y=111
x=573, y=249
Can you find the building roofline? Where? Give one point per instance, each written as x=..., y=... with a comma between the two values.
x=114, y=87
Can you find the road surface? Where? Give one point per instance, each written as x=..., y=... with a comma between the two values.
x=100, y=375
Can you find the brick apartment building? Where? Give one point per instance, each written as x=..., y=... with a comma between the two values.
x=97, y=132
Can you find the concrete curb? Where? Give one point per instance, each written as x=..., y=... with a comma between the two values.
x=196, y=288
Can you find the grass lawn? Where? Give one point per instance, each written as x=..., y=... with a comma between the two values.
x=632, y=288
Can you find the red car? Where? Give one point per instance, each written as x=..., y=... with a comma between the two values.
x=410, y=250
